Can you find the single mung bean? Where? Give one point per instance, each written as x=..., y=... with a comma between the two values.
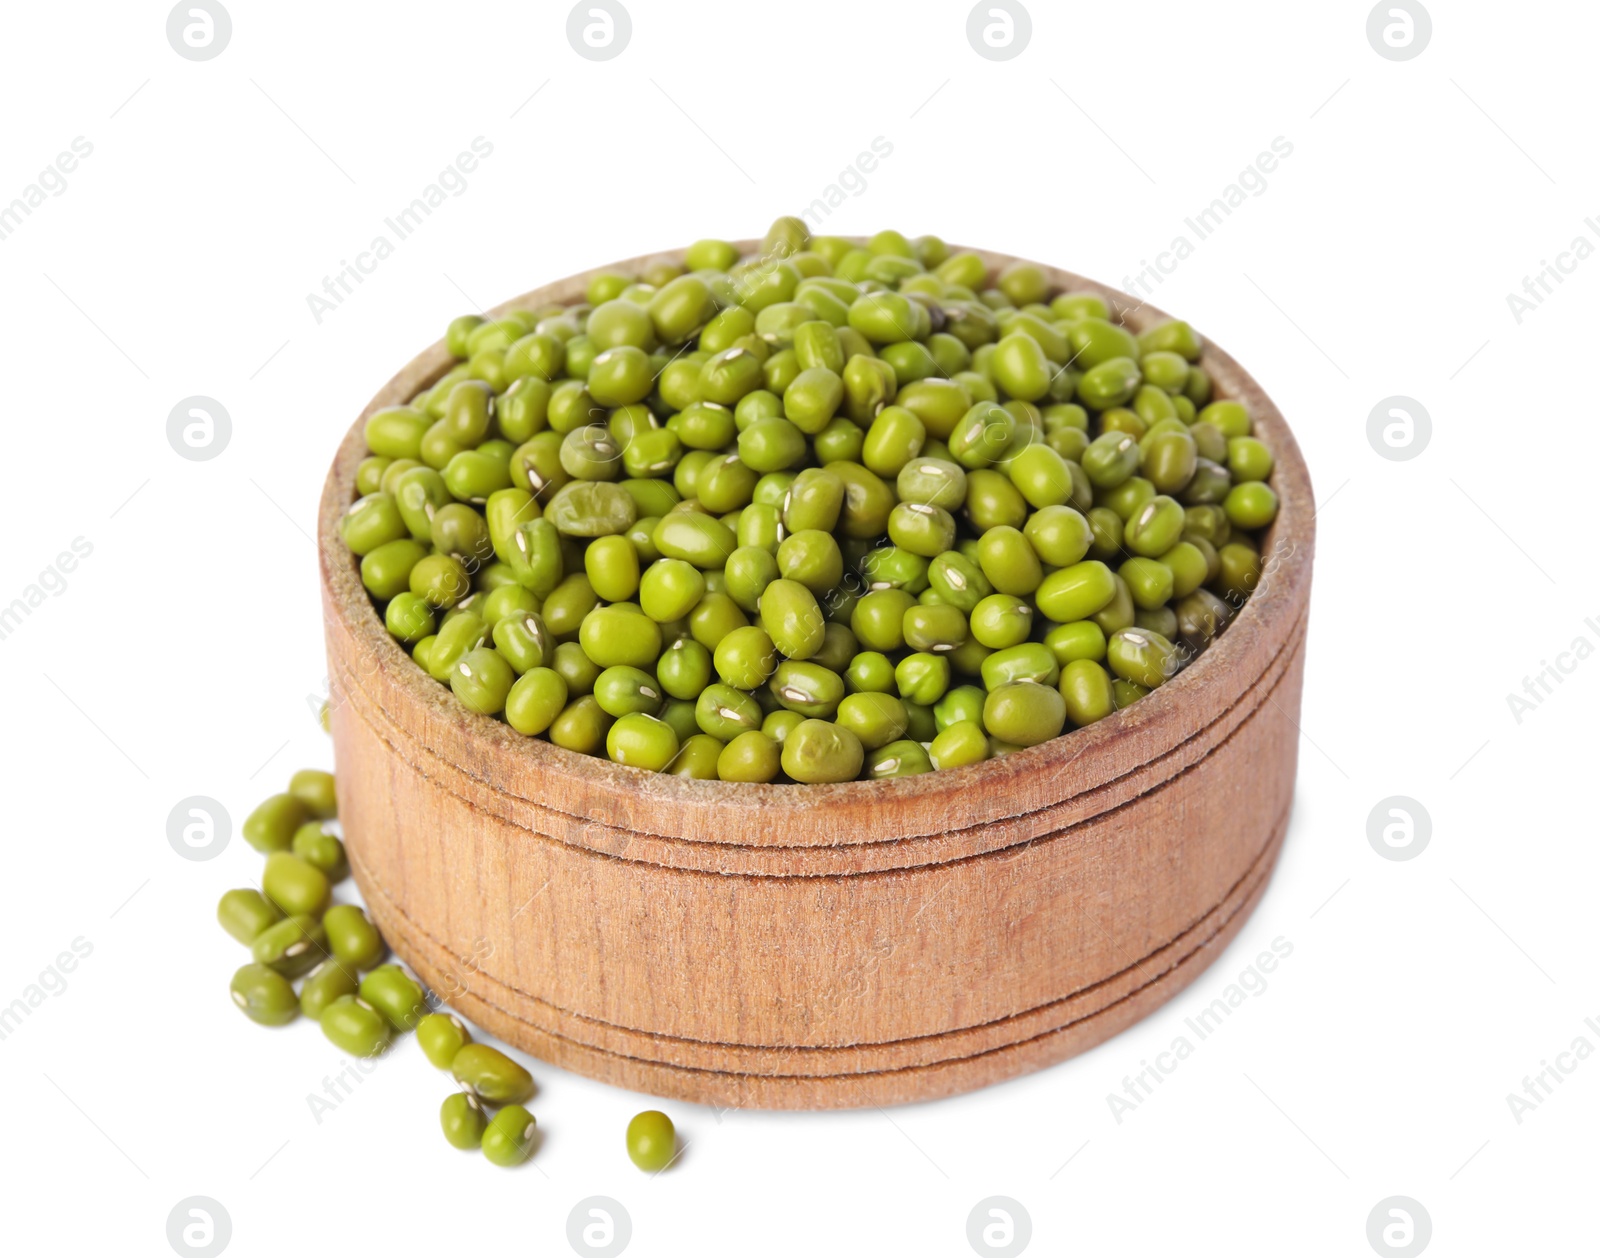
x=352, y=937
x=535, y=700
x=651, y=1141
x=1027, y=661
x=753, y=756
x=1156, y=527
x=900, y=759
x=295, y=885
x=396, y=995
x=524, y=642
x=1240, y=570
x=643, y=741
x=820, y=751
x=936, y=627
x=1087, y=692
x=791, y=616
x=1009, y=561
x=463, y=1119
x=1080, y=640
x=490, y=1075
x=271, y=826
x=958, y=744
x=1252, y=505
x=875, y=719
x=441, y=1036
x=324, y=985
x=264, y=995
x=292, y=946
x=244, y=913
x=508, y=1139
x=807, y=688
x=482, y=679
x=354, y=1026
x=936, y=482
x=1024, y=713
x=315, y=845
x=697, y=758
x=1138, y=655
x=813, y=558
x=1150, y=582
x=923, y=677
x=958, y=580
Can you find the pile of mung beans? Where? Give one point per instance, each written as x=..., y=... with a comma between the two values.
x=294, y=931
x=830, y=511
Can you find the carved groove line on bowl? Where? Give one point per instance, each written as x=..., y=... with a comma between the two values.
x=1239, y=896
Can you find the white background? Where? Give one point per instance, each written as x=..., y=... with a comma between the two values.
x=179, y=658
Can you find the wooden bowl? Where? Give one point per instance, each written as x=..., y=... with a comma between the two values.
x=812, y=947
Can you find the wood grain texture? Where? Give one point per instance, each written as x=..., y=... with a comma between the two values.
x=865, y=943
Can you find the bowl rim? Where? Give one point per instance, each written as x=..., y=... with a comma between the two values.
x=1200, y=695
